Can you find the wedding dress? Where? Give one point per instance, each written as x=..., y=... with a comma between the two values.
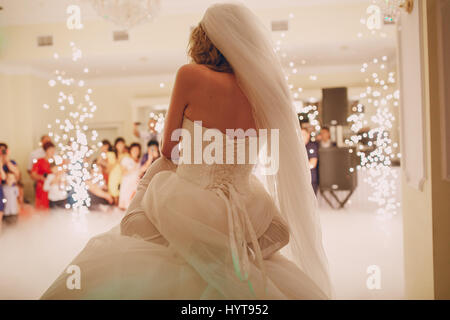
x=213, y=231
x=191, y=208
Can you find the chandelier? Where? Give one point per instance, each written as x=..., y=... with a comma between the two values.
x=391, y=9
x=127, y=13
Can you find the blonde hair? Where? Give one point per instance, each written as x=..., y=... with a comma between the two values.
x=203, y=51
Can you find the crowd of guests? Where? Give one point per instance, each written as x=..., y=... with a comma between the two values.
x=114, y=172
x=122, y=166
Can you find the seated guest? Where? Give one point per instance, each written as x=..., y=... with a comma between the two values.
x=98, y=192
x=10, y=194
x=312, y=150
x=325, y=138
x=55, y=185
x=39, y=172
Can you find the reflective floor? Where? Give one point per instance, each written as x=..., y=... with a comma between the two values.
x=35, y=251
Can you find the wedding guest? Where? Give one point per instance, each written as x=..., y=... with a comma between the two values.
x=11, y=195
x=9, y=169
x=115, y=175
x=2, y=196
x=38, y=153
x=312, y=150
x=325, y=138
x=98, y=191
x=55, y=185
x=130, y=175
x=146, y=135
x=39, y=172
x=106, y=159
x=8, y=164
x=150, y=156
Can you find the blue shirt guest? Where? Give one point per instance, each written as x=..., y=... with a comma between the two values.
x=312, y=149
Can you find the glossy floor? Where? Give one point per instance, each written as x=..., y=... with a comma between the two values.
x=35, y=251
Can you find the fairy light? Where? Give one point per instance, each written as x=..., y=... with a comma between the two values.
x=72, y=135
x=377, y=159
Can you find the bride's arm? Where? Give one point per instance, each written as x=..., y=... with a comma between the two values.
x=275, y=238
x=135, y=222
x=183, y=87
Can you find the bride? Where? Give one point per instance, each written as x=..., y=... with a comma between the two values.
x=210, y=230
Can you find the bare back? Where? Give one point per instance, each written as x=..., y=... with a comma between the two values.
x=201, y=94
x=219, y=102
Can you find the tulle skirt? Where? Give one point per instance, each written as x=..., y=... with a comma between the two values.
x=197, y=263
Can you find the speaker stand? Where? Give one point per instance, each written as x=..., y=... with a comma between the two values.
x=334, y=195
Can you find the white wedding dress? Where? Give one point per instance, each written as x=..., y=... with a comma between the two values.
x=193, y=208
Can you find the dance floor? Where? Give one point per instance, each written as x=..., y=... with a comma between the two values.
x=34, y=252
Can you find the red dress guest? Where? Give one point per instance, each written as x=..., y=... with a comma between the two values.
x=39, y=172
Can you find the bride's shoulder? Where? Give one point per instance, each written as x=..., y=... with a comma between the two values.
x=192, y=73
x=192, y=69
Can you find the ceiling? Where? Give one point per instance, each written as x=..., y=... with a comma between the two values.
x=325, y=38
x=20, y=12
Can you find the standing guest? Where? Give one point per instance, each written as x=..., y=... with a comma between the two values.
x=106, y=159
x=151, y=155
x=115, y=175
x=325, y=138
x=130, y=175
x=2, y=197
x=7, y=167
x=39, y=172
x=38, y=153
x=11, y=195
x=146, y=135
x=8, y=164
x=55, y=185
x=312, y=150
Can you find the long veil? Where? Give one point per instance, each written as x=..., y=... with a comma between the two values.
x=246, y=44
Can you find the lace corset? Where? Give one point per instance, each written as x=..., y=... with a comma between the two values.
x=195, y=166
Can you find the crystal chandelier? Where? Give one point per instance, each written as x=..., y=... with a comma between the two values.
x=127, y=13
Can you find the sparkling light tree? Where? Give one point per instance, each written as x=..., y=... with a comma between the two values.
x=74, y=141
x=376, y=148
x=381, y=92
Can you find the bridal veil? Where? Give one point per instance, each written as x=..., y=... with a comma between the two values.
x=246, y=44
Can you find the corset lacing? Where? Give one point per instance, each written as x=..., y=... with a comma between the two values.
x=238, y=225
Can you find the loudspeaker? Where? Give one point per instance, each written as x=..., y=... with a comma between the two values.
x=334, y=169
x=334, y=106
